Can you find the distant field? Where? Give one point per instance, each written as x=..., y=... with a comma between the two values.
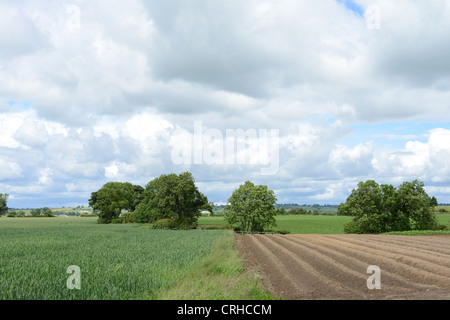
x=301, y=224
x=116, y=261
x=446, y=208
x=308, y=224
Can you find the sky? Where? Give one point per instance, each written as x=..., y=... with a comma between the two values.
x=306, y=97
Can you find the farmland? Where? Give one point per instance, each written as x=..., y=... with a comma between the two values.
x=317, y=224
x=116, y=261
x=312, y=266
x=133, y=261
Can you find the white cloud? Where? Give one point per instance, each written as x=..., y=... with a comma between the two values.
x=111, y=171
x=9, y=170
x=355, y=161
x=107, y=88
x=423, y=160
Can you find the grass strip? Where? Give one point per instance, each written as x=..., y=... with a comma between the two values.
x=219, y=276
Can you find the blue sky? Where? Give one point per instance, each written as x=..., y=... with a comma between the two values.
x=100, y=91
x=351, y=5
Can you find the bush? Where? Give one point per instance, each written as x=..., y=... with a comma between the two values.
x=128, y=217
x=117, y=220
x=163, y=224
x=213, y=227
x=282, y=231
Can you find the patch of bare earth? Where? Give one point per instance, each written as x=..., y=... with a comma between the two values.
x=314, y=267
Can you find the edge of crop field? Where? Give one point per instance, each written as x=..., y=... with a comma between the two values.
x=219, y=276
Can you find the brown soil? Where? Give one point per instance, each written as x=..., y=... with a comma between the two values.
x=329, y=267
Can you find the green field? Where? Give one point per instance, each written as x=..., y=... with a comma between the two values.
x=317, y=224
x=116, y=261
x=132, y=261
x=301, y=224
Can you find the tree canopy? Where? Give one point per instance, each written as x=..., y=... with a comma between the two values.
x=109, y=201
x=3, y=203
x=251, y=207
x=383, y=208
x=175, y=197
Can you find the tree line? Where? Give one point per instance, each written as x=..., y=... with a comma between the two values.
x=174, y=201
x=379, y=208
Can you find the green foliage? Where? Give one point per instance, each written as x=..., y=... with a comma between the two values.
x=251, y=208
x=145, y=213
x=164, y=224
x=383, y=208
x=36, y=212
x=299, y=211
x=109, y=201
x=434, y=202
x=3, y=203
x=46, y=212
x=173, y=196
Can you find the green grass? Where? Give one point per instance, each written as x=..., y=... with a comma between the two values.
x=320, y=224
x=306, y=224
x=116, y=261
x=298, y=224
x=444, y=219
x=220, y=276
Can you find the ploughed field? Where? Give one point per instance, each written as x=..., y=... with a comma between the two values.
x=319, y=266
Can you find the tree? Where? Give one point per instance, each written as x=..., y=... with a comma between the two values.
x=383, y=208
x=415, y=203
x=36, y=212
x=109, y=201
x=3, y=203
x=173, y=197
x=434, y=202
x=47, y=212
x=251, y=207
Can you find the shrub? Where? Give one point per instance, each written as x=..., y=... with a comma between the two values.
x=117, y=220
x=128, y=217
x=163, y=224
x=282, y=231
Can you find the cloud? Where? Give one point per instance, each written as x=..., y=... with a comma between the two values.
x=353, y=162
x=423, y=160
x=94, y=91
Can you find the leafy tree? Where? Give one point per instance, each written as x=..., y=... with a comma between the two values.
x=36, y=212
x=383, y=208
x=251, y=207
x=173, y=197
x=434, y=202
x=46, y=212
x=3, y=202
x=414, y=202
x=109, y=201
